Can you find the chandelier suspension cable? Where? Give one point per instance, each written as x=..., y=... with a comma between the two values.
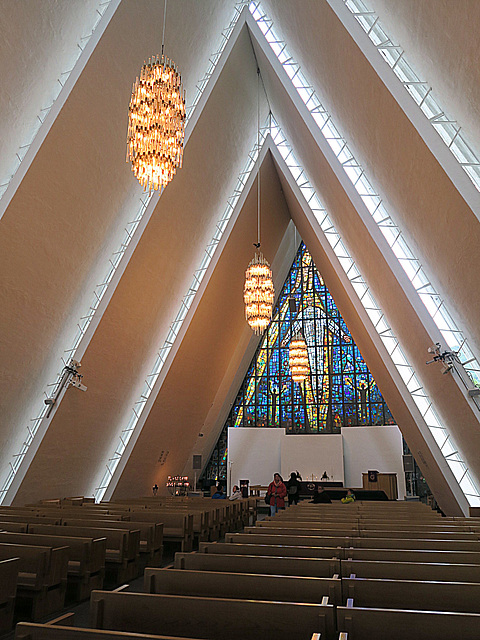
x=164, y=23
x=258, y=146
x=258, y=290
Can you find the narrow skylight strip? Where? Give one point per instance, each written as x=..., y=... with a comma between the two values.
x=452, y=335
x=111, y=269
x=56, y=89
x=448, y=129
x=176, y=325
x=440, y=433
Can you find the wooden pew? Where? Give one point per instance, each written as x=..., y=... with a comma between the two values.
x=320, y=528
x=396, y=624
x=416, y=535
x=177, y=527
x=29, y=517
x=418, y=543
x=275, y=536
x=213, y=618
x=32, y=631
x=272, y=565
x=411, y=570
x=247, y=586
x=151, y=534
x=412, y=594
x=123, y=546
x=14, y=527
x=312, y=530
x=42, y=576
x=270, y=550
x=8, y=588
x=86, y=558
x=413, y=555
x=279, y=539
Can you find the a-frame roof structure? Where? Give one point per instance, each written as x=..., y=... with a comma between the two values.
x=158, y=329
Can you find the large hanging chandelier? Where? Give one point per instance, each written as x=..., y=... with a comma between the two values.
x=298, y=358
x=156, y=122
x=258, y=290
x=258, y=293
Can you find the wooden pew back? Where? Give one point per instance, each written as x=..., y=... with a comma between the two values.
x=213, y=618
x=247, y=586
x=371, y=624
x=412, y=594
x=411, y=570
x=273, y=565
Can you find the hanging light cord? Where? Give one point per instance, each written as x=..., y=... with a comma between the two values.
x=164, y=21
x=257, y=244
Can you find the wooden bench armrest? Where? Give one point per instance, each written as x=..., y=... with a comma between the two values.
x=65, y=620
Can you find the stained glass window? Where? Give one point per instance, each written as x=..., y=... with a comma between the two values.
x=340, y=390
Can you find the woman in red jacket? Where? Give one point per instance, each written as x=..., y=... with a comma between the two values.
x=277, y=492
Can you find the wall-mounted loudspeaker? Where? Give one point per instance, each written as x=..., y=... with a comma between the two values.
x=408, y=464
x=197, y=462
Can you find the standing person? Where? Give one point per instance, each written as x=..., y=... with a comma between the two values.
x=277, y=492
x=293, y=488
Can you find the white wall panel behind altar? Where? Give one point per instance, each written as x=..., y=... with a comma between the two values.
x=253, y=454
x=376, y=448
x=312, y=455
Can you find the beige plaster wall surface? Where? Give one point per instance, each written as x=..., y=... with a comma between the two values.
x=206, y=352
x=440, y=40
x=39, y=43
x=148, y=296
x=443, y=231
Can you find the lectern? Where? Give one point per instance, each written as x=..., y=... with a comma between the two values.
x=385, y=482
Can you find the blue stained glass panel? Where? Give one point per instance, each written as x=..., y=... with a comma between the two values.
x=339, y=392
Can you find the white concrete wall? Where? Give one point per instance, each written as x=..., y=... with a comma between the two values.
x=253, y=454
x=376, y=448
x=256, y=454
x=312, y=455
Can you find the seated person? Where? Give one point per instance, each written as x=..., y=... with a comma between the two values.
x=350, y=497
x=320, y=496
x=219, y=495
x=236, y=493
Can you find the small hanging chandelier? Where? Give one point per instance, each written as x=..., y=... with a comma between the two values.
x=298, y=358
x=258, y=290
x=258, y=293
x=156, y=122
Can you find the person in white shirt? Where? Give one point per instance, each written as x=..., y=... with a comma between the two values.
x=237, y=494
